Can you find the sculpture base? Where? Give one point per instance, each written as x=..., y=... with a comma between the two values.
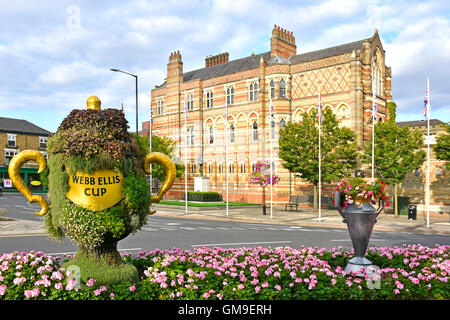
x=103, y=272
x=357, y=264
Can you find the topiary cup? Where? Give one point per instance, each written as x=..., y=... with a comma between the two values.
x=98, y=188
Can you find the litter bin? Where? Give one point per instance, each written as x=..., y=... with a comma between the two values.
x=412, y=212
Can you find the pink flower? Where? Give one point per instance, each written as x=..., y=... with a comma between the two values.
x=257, y=289
x=278, y=287
x=132, y=288
x=91, y=282
x=241, y=286
x=206, y=295
x=264, y=285
x=2, y=289
x=32, y=293
x=58, y=286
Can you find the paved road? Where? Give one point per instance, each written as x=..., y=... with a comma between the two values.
x=17, y=207
x=169, y=232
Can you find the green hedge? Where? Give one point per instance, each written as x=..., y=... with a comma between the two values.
x=204, y=196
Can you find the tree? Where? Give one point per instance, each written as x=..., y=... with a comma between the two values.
x=261, y=176
x=164, y=145
x=397, y=151
x=299, y=148
x=442, y=147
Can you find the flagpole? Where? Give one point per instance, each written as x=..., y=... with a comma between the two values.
x=271, y=158
x=428, y=151
x=185, y=159
x=373, y=129
x=320, y=160
x=150, y=145
x=226, y=152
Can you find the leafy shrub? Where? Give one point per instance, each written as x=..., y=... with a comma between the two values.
x=204, y=196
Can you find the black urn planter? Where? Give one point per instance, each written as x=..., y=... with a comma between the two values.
x=360, y=220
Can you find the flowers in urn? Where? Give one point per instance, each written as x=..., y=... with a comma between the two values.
x=357, y=191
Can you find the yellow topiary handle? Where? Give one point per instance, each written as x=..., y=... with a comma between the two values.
x=171, y=172
x=14, y=173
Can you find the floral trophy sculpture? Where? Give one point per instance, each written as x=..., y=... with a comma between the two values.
x=353, y=199
x=98, y=190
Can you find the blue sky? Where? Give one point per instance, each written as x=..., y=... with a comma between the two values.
x=55, y=54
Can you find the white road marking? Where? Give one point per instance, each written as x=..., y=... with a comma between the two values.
x=238, y=243
x=73, y=252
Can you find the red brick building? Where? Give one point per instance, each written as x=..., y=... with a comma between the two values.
x=344, y=72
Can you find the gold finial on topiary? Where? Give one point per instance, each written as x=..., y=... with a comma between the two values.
x=93, y=102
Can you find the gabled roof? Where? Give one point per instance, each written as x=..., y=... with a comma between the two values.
x=230, y=67
x=418, y=123
x=328, y=52
x=252, y=62
x=11, y=125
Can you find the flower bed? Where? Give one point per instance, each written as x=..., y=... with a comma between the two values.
x=413, y=272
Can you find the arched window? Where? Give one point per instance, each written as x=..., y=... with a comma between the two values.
x=282, y=88
x=211, y=135
x=251, y=92
x=282, y=124
x=255, y=131
x=232, y=133
x=255, y=92
x=272, y=89
x=192, y=136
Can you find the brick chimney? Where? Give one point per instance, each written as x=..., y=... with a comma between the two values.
x=174, y=69
x=217, y=59
x=282, y=43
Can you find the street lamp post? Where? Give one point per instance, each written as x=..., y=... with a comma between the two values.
x=136, y=77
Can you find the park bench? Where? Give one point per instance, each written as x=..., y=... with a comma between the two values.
x=293, y=202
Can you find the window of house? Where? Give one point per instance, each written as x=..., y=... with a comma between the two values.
x=282, y=88
x=230, y=95
x=431, y=138
x=242, y=166
x=160, y=107
x=231, y=166
x=282, y=124
x=43, y=142
x=209, y=100
x=255, y=131
x=193, y=168
x=272, y=89
x=211, y=135
x=272, y=129
x=253, y=91
x=192, y=136
x=220, y=168
x=11, y=140
x=211, y=169
x=232, y=133
x=188, y=133
x=190, y=101
x=9, y=154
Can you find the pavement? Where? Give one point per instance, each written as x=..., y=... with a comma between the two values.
x=438, y=224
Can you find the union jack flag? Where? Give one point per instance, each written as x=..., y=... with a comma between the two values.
x=375, y=109
x=426, y=107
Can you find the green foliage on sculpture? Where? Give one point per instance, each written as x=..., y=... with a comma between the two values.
x=88, y=141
